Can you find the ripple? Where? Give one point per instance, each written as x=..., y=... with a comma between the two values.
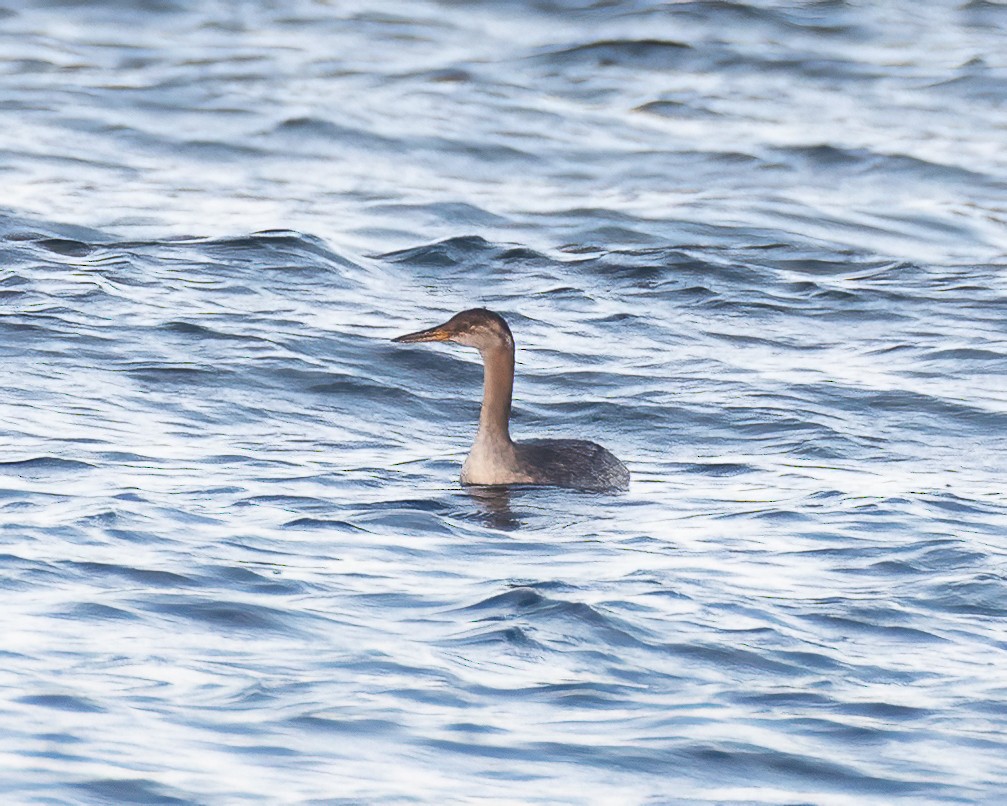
x=653, y=54
x=41, y=466
x=62, y=702
x=130, y=790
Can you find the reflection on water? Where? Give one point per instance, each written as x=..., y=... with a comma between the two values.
x=495, y=504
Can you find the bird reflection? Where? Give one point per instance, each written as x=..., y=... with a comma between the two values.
x=494, y=504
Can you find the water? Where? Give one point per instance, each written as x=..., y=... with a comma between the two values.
x=757, y=250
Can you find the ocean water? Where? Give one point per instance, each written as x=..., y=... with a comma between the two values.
x=758, y=250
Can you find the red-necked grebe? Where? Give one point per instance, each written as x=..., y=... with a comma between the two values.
x=495, y=458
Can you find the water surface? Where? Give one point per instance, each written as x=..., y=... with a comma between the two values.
x=757, y=250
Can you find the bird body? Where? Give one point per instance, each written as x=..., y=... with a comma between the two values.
x=495, y=459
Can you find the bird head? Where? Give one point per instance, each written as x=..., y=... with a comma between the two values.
x=478, y=327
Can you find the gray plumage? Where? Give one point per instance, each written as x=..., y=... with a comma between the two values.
x=576, y=463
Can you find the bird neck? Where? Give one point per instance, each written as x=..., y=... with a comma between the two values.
x=498, y=386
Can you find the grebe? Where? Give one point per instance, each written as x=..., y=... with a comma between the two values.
x=495, y=458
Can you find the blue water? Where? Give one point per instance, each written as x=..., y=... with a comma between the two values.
x=757, y=250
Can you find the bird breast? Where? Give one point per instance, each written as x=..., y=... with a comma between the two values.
x=493, y=462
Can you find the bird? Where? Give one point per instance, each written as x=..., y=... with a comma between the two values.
x=496, y=459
